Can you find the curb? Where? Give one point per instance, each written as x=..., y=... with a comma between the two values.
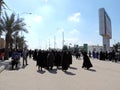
x=2, y=68
x=4, y=65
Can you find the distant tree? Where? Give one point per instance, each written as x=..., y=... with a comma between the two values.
x=65, y=47
x=20, y=42
x=76, y=48
x=116, y=46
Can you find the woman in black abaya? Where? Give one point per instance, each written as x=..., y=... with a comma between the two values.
x=86, y=61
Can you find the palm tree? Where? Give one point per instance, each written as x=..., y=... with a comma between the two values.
x=17, y=41
x=2, y=5
x=20, y=42
x=11, y=25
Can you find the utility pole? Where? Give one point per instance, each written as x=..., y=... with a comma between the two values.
x=19, y=17
x=63, y=38
x=49, y=43
x=46, y=45
x=54, y=42
x=22, y=35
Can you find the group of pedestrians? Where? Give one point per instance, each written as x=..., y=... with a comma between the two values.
x=16, y=55
x=60, y=59
x=110, y=56
x=49, y=59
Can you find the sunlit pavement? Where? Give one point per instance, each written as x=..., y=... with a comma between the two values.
x=104, y=75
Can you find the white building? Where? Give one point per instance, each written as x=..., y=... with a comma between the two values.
x=95, y=48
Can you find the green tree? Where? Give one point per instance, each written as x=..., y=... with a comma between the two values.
x=17, y=41
x=65, y=47
x=2, y=6
x=116, y=46
x=11, y=25
x=20, y=42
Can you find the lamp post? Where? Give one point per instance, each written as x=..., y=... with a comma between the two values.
x=19, y=14
x=49, y=43
x=63, y=39
x=54, y=42
x=70, y=46
x=23, y=14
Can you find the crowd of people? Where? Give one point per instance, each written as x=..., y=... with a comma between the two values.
x=47, y=59
x=111, y=56
x=44, y=59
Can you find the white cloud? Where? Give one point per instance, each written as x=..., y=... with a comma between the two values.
x=60, y=30
x=30, y=39
x=74, y=31
x=46, y=10
x=37, y=19
x=75, y=17
x=33, y=20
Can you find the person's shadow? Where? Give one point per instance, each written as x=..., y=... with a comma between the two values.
x=92, y=70
x=53, y=71
x=74, y=68
x=69, y=73
x=9, y=67
x=41, y=71
x=23, y=67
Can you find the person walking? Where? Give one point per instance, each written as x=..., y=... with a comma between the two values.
x=25, y=54
x=57, y=62
x=50, y=60
x=15, y=59
x=40, y=62
x=65, y=61
x=86, y=61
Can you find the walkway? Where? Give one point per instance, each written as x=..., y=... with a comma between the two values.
x=104, y=75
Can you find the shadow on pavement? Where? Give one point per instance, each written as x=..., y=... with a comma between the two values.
x=73, y=68
x=23, y=67
x=9, y=68
x=53, y=71
x=41, y=71
x=69, y=73
x=92, y=70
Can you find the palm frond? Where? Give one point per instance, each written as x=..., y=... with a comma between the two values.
x=5, y=5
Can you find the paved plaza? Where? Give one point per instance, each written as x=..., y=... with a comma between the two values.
x=104, y=75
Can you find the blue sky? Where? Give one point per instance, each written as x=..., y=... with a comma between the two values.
x=78, y=19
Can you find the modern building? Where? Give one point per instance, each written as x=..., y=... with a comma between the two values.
x=95, y=48
x=105, y=28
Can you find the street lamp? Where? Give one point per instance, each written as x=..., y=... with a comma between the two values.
x=19, y=14
x=70, y=46
x=54, y=42
x=23, y=14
